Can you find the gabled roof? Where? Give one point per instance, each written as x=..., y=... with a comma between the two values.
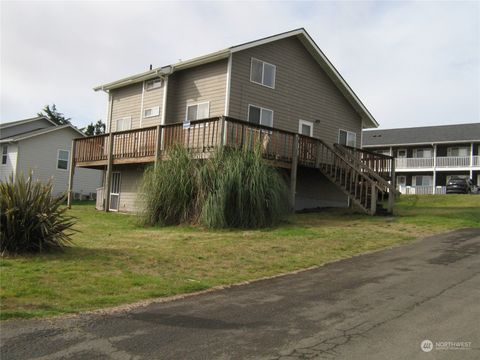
x=422, y=135
x=39, y=132
x=25, y=121
x=301, y=34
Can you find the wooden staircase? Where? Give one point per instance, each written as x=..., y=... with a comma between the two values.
x=365, y=189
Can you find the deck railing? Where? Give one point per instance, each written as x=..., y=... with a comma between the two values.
x=453, y=161
x=409, y=163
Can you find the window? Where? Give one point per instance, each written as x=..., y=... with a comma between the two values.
x=259, y=115
x=422, y=180
x=401, y=180
x=457, y=151
x=263, y=73
x=422, y=153
x=198, y=111
x=4, y=154
x=62, y=159
x=347, y=138
x=401, y=153
x=154, y=111
x=153, y=84
x=382, y=152
x=305, y=127
x=124, y=124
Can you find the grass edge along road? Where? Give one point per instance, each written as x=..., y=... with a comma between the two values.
x=115, y=261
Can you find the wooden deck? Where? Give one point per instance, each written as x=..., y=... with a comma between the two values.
x=360, y=174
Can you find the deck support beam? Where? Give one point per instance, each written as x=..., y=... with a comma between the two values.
x=293, y=172
x=373, y=203
x=108, y=176
x=71, y=175
x=158, y=145
x=392, y=192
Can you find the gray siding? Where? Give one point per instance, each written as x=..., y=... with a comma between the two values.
x=302, y=91
x=130, y=179
x=11, y=165
x=200, y=84
x=152, y=98
x=127, y=101
x=39, y=154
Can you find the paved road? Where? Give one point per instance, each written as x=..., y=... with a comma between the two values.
x=375, y=306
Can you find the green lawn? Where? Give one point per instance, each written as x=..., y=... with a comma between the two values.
x=115, y=261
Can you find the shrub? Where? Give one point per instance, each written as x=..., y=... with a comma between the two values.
x=242, y=191
x=234, y=188
x=169, y=189
x=31, y=219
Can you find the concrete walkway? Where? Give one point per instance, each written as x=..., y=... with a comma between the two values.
x=375, y=306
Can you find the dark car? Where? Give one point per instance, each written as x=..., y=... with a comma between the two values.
x=458, y=185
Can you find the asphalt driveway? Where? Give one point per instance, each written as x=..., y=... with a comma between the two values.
x=375, y=306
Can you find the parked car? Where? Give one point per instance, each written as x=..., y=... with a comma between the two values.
x=458, y=185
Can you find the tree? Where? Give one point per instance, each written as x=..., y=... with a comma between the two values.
x=52, y=114
x=95, y=129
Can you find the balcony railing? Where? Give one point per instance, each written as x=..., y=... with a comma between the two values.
x=440, y=162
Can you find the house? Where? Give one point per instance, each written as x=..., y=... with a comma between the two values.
x=280, y=91
x=426, y=157
x=41, y=146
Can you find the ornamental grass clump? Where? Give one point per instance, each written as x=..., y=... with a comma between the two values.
x=169, y=190
x=232, y=189
x=31, y=218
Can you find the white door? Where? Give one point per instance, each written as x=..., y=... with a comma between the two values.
x=401, y=180
x=115, y=192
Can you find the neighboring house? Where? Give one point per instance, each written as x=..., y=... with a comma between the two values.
x=426, y=157
x=41, y=146
x=264, y=91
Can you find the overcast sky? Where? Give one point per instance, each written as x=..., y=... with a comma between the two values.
x=411, y=63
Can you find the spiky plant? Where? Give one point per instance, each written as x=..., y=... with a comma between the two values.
x=31, y=219
x=169, y=189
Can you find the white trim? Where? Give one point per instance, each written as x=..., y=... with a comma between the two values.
x=141, y=104
x=261, y=108
x=155, y=111
x=423, y=143
x=228, y=86
x=197, y=103
x=305, y=122
x=68, y=159
x=38, y=133
x=164, y=102
x=348, y=132
x=117, y=194
x=263, y=72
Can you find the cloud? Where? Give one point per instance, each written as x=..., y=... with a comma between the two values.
x=411, y=63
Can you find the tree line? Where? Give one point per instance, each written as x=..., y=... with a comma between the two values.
x=51, y=113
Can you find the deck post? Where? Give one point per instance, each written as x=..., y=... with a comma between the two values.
x=108, y=176
x=393, y=190
x=373, y=203
x=293, y=172
x=70, y=175
x=158, y=144
x=222, y=131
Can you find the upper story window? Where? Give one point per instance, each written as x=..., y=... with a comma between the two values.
x=62, y=159
x=124, y=124
x=402, y=153
x=422, y=153
x=263, y=73
x=259, y=115
x=153, y=111
x=457, y=151
x=348, y=138
x=198, y=111
x=153, y=84
x=4, y=154
x=305, y=127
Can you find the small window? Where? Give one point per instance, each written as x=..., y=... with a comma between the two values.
x=263, y=73
x=154, y=111
x=305, y=128
x=153, y=84
x=4, y=154
x=422, y=153
x=198, y=111
x=259, y=115
x=347, y=138
x=402, y=153
x=62, y=159
x=124, y=124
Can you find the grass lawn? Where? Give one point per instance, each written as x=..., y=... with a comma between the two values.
x=115, y=261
